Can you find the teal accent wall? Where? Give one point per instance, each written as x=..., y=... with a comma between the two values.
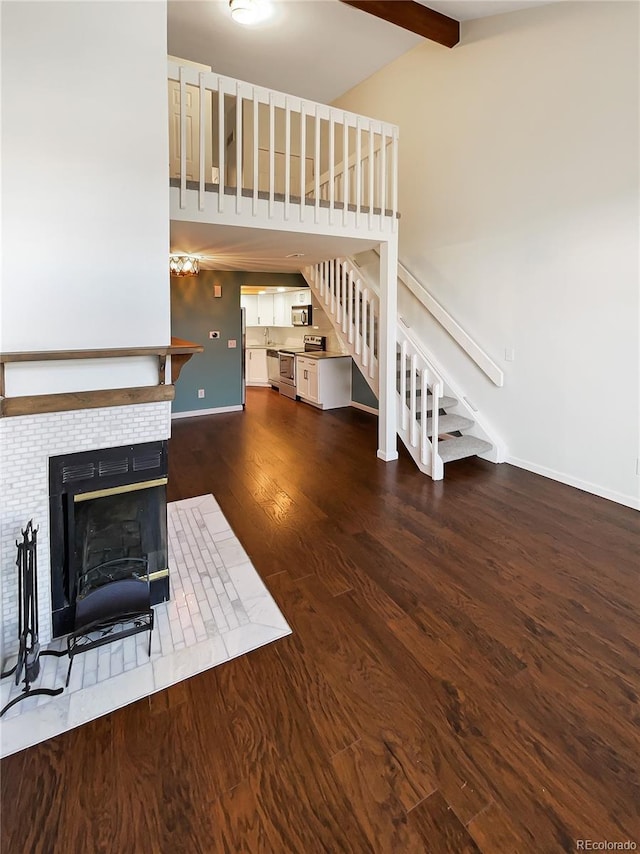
x=194, y=312
x=360, y=391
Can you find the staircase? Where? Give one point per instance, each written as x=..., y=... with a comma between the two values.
x=432, y=433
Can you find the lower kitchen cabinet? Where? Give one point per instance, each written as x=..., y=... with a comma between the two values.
x=325, y=383
x=256, y=364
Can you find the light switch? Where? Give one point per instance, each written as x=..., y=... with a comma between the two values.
x=217, y=290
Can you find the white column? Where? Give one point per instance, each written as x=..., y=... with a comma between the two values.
x=387, y=437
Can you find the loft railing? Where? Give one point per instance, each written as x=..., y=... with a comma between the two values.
x=353, y=308
x=266, y=152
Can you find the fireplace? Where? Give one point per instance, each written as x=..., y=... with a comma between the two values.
x=108, y=516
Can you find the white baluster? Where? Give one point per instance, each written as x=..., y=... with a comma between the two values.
x=332, y=168
x=350, y=307
x=238, y=148
x=287, y=157
x=372, y=333
x=436, y=394
x=272, y=153
x=221, y=146
x=345, y=169
x=303, y=159
x=394, y=188
x=365, y=346
x=317, y=164
x=358, y=168
x=412, y=401
x=256, y=151
x=383, y=177
x=327, y=290
x=358, y=343
x=371, y=172
x=183, y=138
x=403, y=384
x=424, y=456
x=201, y=141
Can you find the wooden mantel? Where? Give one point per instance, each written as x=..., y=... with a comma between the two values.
x=179, y=350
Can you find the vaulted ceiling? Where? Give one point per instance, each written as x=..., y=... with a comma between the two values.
x=316, y=49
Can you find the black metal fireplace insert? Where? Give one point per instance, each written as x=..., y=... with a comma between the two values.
x=108, y=508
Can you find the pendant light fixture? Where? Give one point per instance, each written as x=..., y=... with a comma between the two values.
x=184, y=265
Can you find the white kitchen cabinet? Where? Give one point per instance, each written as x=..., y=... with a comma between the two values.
x=265, y=310
x=302, y=297
x=257, y=367
x=250, y=305
x=324, y=382
x=307, y=379
x=281, y=310
x=259, y=309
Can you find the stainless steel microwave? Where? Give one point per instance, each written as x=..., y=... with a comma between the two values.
x=302, y=315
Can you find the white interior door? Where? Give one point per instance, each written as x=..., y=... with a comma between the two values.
x=193, y=127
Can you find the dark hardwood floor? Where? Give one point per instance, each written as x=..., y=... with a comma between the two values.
x=463, y=673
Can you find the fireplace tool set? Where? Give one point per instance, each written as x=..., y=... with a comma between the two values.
x=113, y=602
x=29, y=652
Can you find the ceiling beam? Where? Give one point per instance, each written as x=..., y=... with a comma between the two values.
x=414, y=17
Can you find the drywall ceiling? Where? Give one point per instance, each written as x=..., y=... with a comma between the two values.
x=316, y=49
x=258, y=249
x=468, y=10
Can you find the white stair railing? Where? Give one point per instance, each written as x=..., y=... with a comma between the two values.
x=353, y=308
x=473, y=350
x=267, y=151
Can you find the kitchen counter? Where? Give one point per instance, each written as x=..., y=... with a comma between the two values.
x=325, y=354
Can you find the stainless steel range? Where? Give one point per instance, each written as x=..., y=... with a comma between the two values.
x=287, y=361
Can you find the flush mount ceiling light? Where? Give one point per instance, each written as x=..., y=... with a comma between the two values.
x=184, y=265
x=249, y=11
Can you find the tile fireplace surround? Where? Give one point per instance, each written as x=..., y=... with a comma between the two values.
x=219, y=609
x=26, y=443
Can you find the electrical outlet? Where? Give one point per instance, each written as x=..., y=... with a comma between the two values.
x=232, y=343
x=638, y=466
x=215, y=334
x=200, y=392
x=509, y=354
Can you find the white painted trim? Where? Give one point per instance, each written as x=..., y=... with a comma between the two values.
x=388, y=458
x=585, y=486
x=217, y=411
x=371, y=409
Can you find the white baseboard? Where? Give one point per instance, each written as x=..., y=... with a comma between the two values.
x=371, y=409
x=585, y=486
x=195, y=412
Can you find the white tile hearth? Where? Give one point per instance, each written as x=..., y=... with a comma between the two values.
x=219, y=609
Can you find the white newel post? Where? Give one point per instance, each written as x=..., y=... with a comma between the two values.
x=387, y=437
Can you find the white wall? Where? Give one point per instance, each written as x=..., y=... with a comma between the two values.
x=519, y=201
x=85, y=231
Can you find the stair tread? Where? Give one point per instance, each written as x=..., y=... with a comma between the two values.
x=443, y=402
x=462, y=446
x=449, y=424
